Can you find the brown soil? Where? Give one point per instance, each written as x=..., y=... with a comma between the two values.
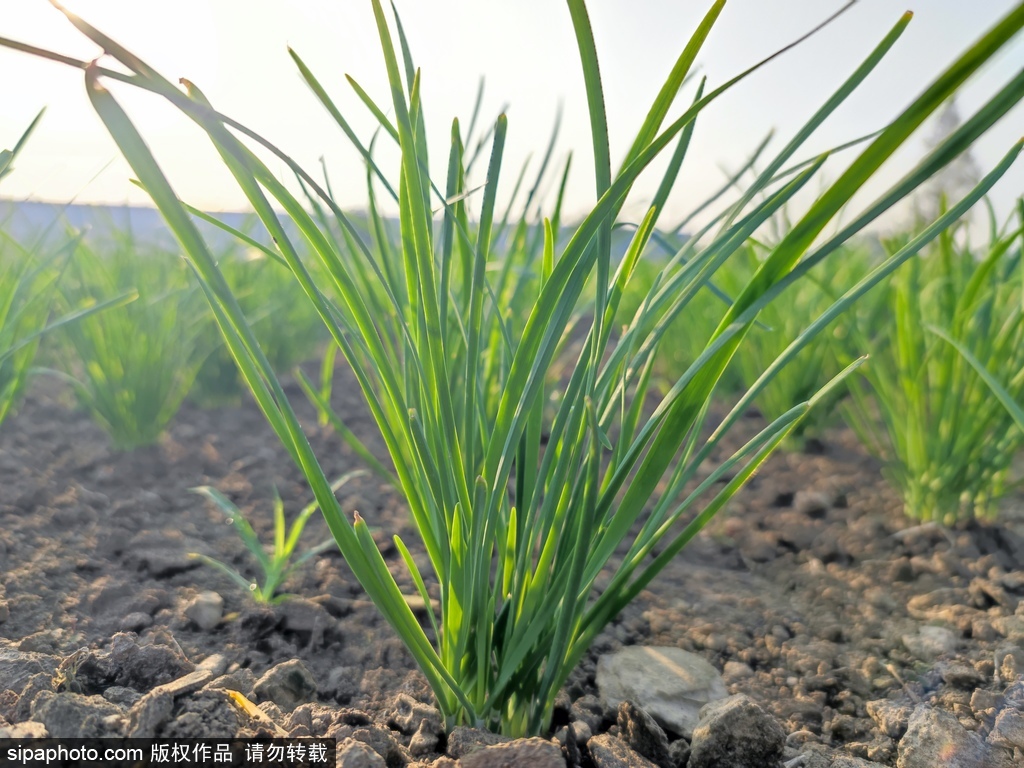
x=809, y=594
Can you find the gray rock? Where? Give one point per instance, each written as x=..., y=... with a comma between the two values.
x=425, y=740
x=136, y=622
x=216, y=664
x=890, y=717
x=985, y=703
x=670, y=684
x=205, y=715
x=606, y=751
x=74, y=716
x=189, y=683
x=301, y=716
x=581, y=731
x=588, y=709
x=306, y=617
x=1014, y=694
x=962, y=676
x=149, y=713
x=813, y=755
x=287, y=684
x=639, y=730
x=679, y=753
x=929, y=643
x=126, y=697
x=463, y=740
x=1013, y=581
x=16, y=667
x=133, y=666
x=343, y=684
x=1009, y=660
x=736, y=732
x=522, y=753
x=570, y=741
x=381, y=741
x=20, y=707
x=241, y=680
x=205, y=610
x=1008, y=731
x=1010, y=627
x=356, y=754
x=935, y=738
x=407, y=714
x=982, y=629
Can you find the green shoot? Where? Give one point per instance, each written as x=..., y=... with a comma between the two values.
x=275, y=563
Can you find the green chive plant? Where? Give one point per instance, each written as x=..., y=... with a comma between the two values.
x=921, y=406
x=28, y=286
x=1001, y=393
x=685, y=340
x=132, y=366
x=24, y=302
x=782, y=322
x=280, y=562
x=25, y=293
x=525, y=488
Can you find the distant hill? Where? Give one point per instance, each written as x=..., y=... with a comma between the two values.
x=27, y=221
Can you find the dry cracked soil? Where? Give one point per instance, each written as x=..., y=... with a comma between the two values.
x=845, y=635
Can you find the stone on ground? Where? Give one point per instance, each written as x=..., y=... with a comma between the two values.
x=641, y=732
x=935, y=738
x=355, y=754
x=287, y=684
x=670, y=684
x=205, y=610
x=737, y=733
x=606, y=751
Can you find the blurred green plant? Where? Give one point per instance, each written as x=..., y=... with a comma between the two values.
x=685, y=340
x=25, y=292
x=28, y=286
x=131, y=366
x=784, y=320
x=286, y=325
x=525, y=486
x=921, y=406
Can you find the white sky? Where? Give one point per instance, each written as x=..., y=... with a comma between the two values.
x=235, y=50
